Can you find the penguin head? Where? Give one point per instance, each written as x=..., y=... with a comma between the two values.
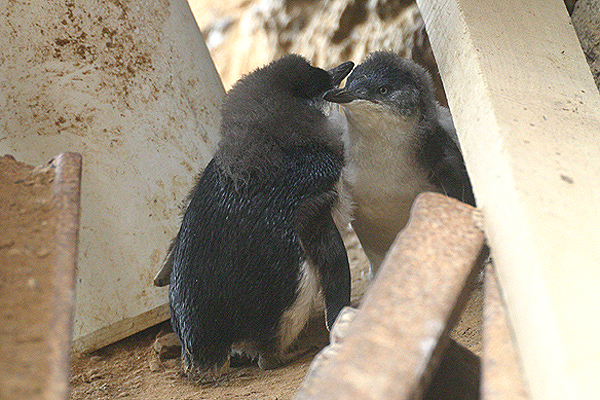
x=276, y=108
x=389, y=81
x=290, y=75
x=293, y=74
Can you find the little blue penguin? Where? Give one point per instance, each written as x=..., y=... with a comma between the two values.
x=399, y=143
x=258, y=241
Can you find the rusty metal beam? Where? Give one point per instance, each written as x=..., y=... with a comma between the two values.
x=393, y=345
x=66, y=195
x=38, y=253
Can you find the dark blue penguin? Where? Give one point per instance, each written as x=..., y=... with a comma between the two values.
x=400, y=143
x=258, y=240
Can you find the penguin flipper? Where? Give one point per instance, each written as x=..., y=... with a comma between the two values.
x=450, y=175
x=324, y=247
x=447, y=166
x=163, y=276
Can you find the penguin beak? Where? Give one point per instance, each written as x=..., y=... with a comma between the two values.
x=340, y=72
x=341, y=96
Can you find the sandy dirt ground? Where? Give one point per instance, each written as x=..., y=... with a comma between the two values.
x=131, y=368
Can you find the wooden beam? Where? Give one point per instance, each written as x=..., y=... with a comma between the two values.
x=394, y=344
x=123, y=328
x=528, y=117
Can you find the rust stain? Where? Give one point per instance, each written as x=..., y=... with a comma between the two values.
x=116, y=46
x=105, y=50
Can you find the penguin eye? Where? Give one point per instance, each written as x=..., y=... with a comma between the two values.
x=384, y=90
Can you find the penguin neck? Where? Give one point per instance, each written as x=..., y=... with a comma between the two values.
x=383, y=172
x=258, y=139
x=381, y=146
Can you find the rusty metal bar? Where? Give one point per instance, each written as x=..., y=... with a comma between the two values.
x=66, y=195
x=38, y=253
x=393, y=345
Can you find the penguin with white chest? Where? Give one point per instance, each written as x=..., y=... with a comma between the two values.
x=258, y=240
x=400, y=143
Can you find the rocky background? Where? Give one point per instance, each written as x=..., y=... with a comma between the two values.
x=586, y=20
x=245, y=34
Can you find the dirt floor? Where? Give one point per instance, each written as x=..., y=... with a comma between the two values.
x=26, y=277
x=132, y=369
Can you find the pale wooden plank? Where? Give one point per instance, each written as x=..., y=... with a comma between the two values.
x=528, y=116
x=393, y=345
x=121, y=329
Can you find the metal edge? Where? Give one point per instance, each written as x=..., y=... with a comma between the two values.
x=66, y=193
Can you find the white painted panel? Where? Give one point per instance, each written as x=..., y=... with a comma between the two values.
x=131, y=86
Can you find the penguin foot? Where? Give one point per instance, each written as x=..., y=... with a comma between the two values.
x=274, y=360
x=205, y=374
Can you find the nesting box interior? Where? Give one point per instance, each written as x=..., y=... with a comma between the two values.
x=136, y=93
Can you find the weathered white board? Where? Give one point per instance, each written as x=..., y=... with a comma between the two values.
x=528, y=117
x=131, y=87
